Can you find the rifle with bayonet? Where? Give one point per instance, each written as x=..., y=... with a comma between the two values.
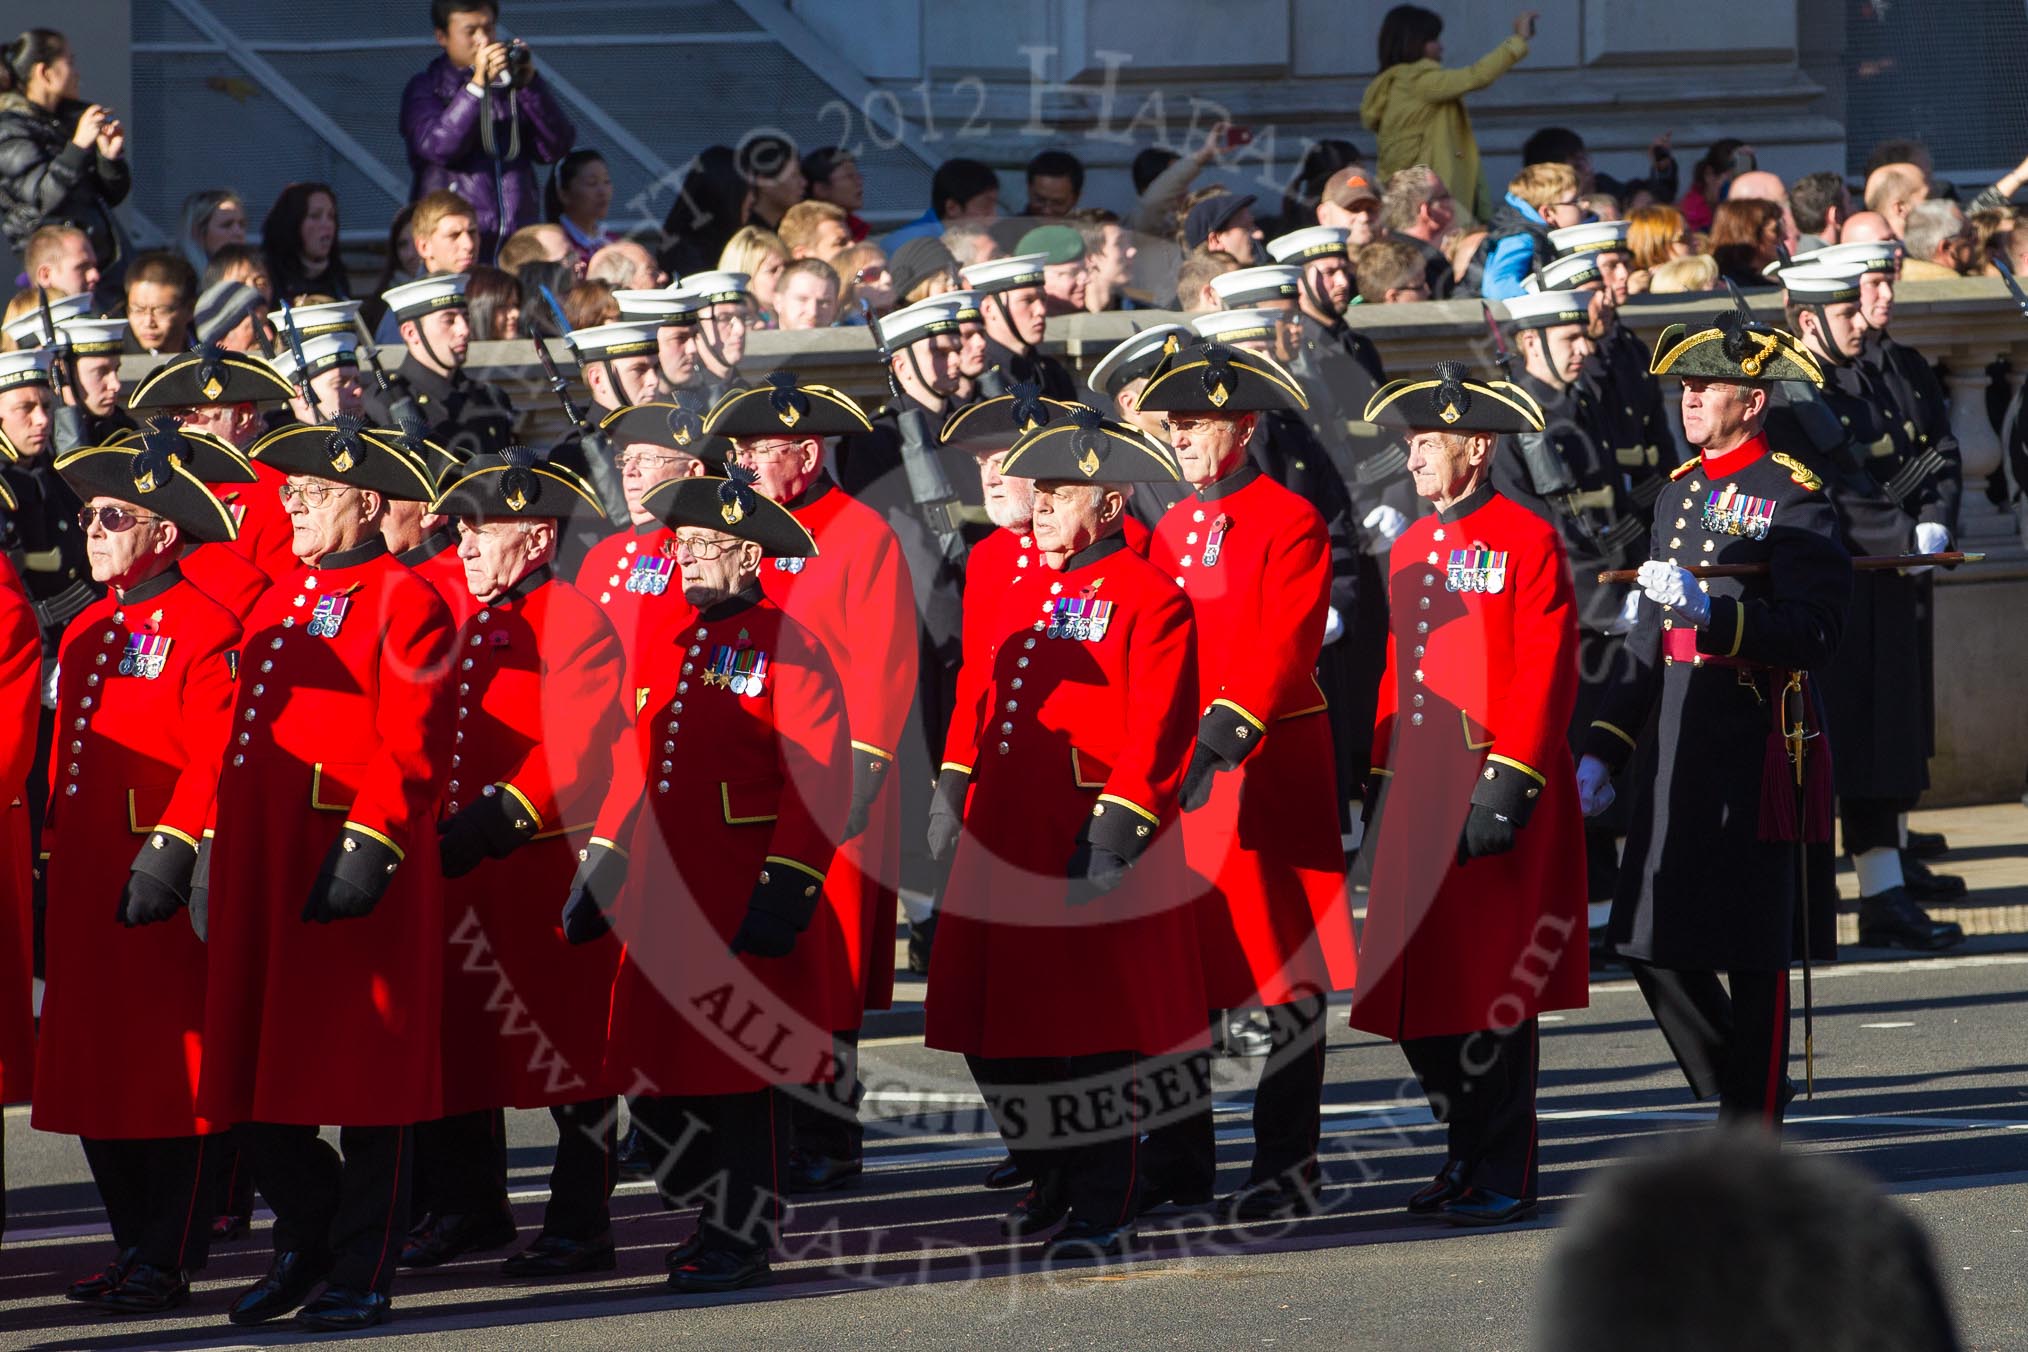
x=395, y=396
x=929, y=488
x=67, y=424
x=302, y=363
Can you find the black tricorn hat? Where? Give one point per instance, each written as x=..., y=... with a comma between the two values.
x=997, y=423
x=1087, y=447
x=734, y=506
x=1451, y=399
x=147, y=477
x=514, y=484
x=786, y=407
x=1738, y=347
x=677, y=424
x=443, y=463
x=1214, y=378
x=344, y=452
x=210, y=375
x=213, y=459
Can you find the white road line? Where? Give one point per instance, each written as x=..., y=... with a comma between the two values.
x=1898, y=1023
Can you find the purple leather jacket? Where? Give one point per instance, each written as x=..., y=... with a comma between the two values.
x=440, y=125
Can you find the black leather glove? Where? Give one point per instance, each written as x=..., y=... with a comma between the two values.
x=1094, y=871
x=947, y=812
x=780, y=909
x=1487, y=832
x=159, y=885
x=491, y=828
x=869, y=776
x=601, y=870
x=1196, y=790
x=200, y=892
x=764, y=935
x=356, y=871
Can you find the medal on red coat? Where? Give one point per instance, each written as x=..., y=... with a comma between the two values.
x=650, y=575
x=1101, y=619
x=330, y=614
x=145, y=656
x=790, y=565
x=237, y=510
x=1476, y=570
x=1215, y=542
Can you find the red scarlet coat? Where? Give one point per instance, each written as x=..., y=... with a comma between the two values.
x=20, y=700
x=1479, y=682
x=1276, y=922
x=711, y=789
x=855, y=597
x=1069, y=729
x=1005, y=579
x=135, y=755
x=538, y=711
x=266, y=539
x=336, y=1023
x=634, y=579
x=436, y=562
x=227, y=577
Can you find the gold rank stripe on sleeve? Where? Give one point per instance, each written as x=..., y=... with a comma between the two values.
x=1738, y=629
x=1615, y=731
x=180, y=835
x=522, y=799
x=872, y=750
x=1132, y=807
x=794, y=864
x=1513, y=764
x=372, y=834
x=953, y=765
x=1258, y=725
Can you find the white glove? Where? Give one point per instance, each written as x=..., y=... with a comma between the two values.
x=1386, y=522
x=1334, y=625
x=1630, y=611
x=51, y=671
x=1673, y=588
x=1931, y=537
x=1594, y=786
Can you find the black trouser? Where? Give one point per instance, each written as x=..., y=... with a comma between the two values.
x=722, y=1151
x=823, y=1119
x=352, y=1212
x=1871, y=823
x=461, y=1167
x=1071, y=1122
x=1287, y=1108
x=159, y=1195
x=1733, y=1045
x=235, y=1195
x=1482, y=1087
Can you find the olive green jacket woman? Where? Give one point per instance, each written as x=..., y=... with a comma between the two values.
x=1417, y=110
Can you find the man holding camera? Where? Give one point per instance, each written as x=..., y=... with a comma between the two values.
x=480, y=104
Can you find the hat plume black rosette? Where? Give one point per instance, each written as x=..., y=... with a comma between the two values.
x=735, y=495
x=786, y=398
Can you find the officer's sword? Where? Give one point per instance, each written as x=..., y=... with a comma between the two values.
x=1865, y=563
x=1797, y=738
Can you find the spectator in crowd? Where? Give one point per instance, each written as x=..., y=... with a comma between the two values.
x=864, y=274
x=1708, y=178
x=1324, y=161
x=1993, y=234
x=1162, y=179
x=1819, y=204
x=626, y=265
x=1193, y=279
x=1940, y=241
x=1901, y=150
x=1760, y=185
x=2000, y=195
x=481, y=106
x=833, y=176
x=1351, y=201
x=761, y=255
x=245, y=264
x=1109, y=254
x=1744, y=235
x=299, y=240
x=443, y=229
x=1600, y=206
x=537, y=314
x=815, y=230
x=1223, y=222
x=161, y=296
x=61, y=160
x=577, y=198
x=1677, y=276
x=60, y=260
x=211, y=219
x=710, y=205
x=1055, y=183
x=1541, y=198
x=1390, y=273
x=1418, y=210
x=1727, y=1241
x=399, y=264
x=541, y=243
x=1065, y=274
x=774, y=178
x=1893, y=190
x=1561, y=145
x=2011, y=246
x=807, y=297
x=1655, y=235
x=492, y=304
x=970, y=242
x=1416, y=107
x=590, y=304
x=960, y=190
x=232, y=315
x=920, y=269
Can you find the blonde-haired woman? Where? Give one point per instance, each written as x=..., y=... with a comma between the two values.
x=761, y=255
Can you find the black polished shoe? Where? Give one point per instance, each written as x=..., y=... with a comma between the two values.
x=1482, y=1206
x=1158, y=1192
x=1924, y=845
x=1449, y=1182
x=1087, y=1239
x=291, y=1277
x=1893, y=918
x=105, y=1279
x=632, y=1158
x=230, y=1226
x=808, y=1173
x=684, y=1252
x=1925, y=884
x=1039, y=1208
x=453, y=1236
x=1273, y=1199
x=555, y=1256
x=341, y=1309
x=1007, y=1174
x=147, y=1289
x=711, y=1269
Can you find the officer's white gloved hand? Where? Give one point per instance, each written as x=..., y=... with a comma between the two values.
x=1594, y=786
x=1673, y=588
x=1386, y=522
x=1931, y=537
x=1334, y=625
x=1630, y=611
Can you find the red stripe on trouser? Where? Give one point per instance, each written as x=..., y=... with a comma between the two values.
x=1133, y=1147
x=1777, y=1057
x=387, y=1233
x=190, y=1211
